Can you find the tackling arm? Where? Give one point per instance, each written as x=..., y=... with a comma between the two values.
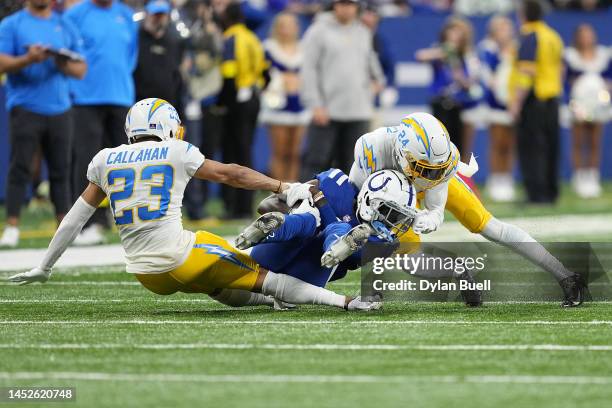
x=238, y=176
x=71, y=225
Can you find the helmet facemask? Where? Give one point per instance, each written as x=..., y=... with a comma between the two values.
x=431, y=174
x=395, y=218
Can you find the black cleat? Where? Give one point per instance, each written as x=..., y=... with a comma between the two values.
x=574, y=289
x=471, y=297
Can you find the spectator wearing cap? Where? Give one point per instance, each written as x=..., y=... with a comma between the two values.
x=102, y=99
x=161, y=52
x=340, y=76
x=33, y=52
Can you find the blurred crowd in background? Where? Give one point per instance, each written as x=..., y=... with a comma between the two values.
x=315, y=82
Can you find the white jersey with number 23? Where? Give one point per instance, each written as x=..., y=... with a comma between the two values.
x=145, y=183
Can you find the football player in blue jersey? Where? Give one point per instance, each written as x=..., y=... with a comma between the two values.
x=320, y=241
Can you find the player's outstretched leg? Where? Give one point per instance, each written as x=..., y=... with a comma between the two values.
x=259, y=229
x=292, y=290
x=573, y=285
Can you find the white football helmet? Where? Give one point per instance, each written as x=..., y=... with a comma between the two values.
x=153, y=117
x=387, y=199
x=423, y=150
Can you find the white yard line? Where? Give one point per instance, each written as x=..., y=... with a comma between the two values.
x=290, y=378
x=544, y=227
x=208, y=300
x=312, y=322
x=138, y=300
x=323, y=347
x=82, y=283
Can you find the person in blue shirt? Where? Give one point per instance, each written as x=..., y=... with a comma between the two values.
x=104, y=96
x=33, y=45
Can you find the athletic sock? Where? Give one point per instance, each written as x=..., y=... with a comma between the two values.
x=292, y=290
x=239, y=297
x=523, y=244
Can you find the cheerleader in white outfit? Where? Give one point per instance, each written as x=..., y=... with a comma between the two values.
x=281, y=107
x=496, y=53
x=588, y=69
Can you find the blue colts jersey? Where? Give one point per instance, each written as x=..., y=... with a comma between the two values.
x=298, y=255
x=340, y=194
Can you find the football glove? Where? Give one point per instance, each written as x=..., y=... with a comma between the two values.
x=34, y=275
x=297, y=192
x=424, y=223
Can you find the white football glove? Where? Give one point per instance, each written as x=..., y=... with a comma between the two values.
x=297, y=192
x=306, y=207
x=424, y=223
x=33, y=275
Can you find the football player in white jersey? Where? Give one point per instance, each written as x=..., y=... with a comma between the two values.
x=144, y=181
x=420, y=147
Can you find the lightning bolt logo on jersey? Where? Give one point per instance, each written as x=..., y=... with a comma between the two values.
x=370, y=159
x=223, y=254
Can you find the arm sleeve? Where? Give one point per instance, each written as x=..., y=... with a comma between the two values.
x=7, y=38
x=310, y=90
x=435, y=201
x=69, y=228
x=193, y=159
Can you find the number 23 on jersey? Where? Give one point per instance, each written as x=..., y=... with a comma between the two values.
x=160, y=190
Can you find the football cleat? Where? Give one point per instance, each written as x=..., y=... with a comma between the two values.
x=574, y=289
x=346, y=245
x=357, y=304
x=259, y=229
x=471, y=297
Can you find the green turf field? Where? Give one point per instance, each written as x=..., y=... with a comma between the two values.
x=38, y=224
x=119, y=345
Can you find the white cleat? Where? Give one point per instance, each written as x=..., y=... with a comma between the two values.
x=346, y=245
x=91, y=235
x=259, y=229
x=10, y=237
x=360, y=305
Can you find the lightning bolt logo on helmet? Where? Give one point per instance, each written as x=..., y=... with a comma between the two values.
x=153, y=117
x=424, y=152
